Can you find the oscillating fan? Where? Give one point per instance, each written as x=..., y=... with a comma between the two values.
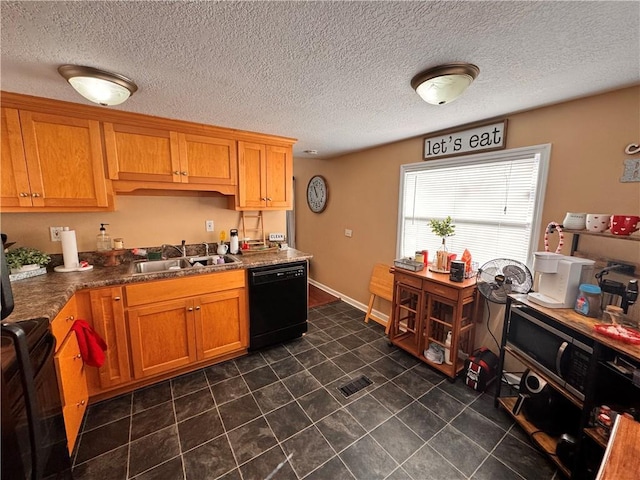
x=498, y=278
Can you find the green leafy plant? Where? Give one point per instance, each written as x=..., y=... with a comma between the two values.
x=443, y=228
x=18, y=257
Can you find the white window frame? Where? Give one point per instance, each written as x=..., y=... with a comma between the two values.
x=543, y=152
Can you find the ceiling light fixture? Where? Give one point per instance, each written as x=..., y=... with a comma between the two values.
x=445, y=83
x=98, y=86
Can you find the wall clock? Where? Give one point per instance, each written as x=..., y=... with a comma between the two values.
x=317, y=193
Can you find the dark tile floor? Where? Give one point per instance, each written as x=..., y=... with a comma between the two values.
x=242, y=418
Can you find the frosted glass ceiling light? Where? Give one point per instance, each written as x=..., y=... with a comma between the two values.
x=445, y=83
x=98, y=86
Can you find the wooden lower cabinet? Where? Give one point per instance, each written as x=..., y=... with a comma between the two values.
x=221, y=323
x=162, y=337
x=72, y=381
x=155, y=328
x=107, y=313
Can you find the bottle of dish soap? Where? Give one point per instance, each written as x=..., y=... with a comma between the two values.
x=104, y=240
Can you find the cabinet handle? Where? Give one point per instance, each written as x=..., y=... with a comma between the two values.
x=190, y=309
x=117, y=299
x=77, y=357
x=35, y=194
x=82, y=402
x=264, y=199
x=269, y=198
x=70, y=318
x=198, y=307
x=176, y=172
x=23, y=194
x=184, y=173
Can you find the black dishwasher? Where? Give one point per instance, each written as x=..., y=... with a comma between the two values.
x=278, y=299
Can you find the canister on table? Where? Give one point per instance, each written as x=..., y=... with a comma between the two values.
x=118, y=243
x=588, y=301
x=419, y=256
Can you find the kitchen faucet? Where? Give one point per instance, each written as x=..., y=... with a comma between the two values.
x=183, y=250
x=206, y=249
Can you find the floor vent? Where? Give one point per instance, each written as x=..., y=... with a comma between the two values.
x=355, y=386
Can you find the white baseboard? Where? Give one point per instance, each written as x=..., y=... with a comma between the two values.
x=349, y=300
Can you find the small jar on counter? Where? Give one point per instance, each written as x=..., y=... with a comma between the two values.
x=118, y=243
x=419, y=257
x=588, y=301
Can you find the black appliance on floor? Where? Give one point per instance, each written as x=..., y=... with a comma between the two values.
x=278, y=303
x=34, y=440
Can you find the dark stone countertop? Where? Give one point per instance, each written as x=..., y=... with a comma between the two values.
x=45, y=295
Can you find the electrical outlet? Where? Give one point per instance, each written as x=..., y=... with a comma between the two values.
x=56, y=234
x=348, y=232
x=209, y=225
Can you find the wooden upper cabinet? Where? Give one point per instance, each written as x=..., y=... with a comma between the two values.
x=156, y=158
x=279, y=182
x=265, y=177
x=142, y=154
x=61, y=166
x=208, y=160
x=15, y=188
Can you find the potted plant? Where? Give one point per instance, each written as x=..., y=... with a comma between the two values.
x=442, y=228
x=24, y=259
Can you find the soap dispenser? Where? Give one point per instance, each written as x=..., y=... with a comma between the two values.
x=103, y=240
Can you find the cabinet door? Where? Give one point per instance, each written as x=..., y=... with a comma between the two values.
x=143, y=154
x=251, y=175
x=221, y=323
x=72, y=381
x=64, y=161
x=107, y=309
x=208, y=160
x=408, y=305
x=162, y=337
x=279, y=181
x=15, y=189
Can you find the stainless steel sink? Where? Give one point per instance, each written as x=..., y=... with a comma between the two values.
x=211, y=260
x=155, y=266
x=145, y=267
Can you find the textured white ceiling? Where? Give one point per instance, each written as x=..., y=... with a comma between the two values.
x=335, y=75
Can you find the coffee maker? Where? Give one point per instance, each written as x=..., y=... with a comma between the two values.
x=559, y=279
x=615, y=293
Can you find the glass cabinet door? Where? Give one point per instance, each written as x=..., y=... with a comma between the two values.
x=405, y=329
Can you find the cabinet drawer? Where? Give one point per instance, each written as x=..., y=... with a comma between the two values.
x=153, y=292
x=71, y=374
x=408, y=280
x=441, y=290
x=61, y=324
x=73, y=415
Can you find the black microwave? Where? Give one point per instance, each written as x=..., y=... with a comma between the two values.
x=557, y=351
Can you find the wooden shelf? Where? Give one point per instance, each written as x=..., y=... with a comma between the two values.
x=559, y=388
x=595, y=434
x=545, y=441
x=406, y=341
x=633, y=238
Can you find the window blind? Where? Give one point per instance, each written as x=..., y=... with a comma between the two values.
x=494, y=200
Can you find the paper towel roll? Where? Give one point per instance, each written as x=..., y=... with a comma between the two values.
x=69, y=249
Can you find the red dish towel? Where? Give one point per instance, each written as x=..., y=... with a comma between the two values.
x=92, y=346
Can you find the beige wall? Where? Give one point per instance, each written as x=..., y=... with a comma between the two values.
x=142, y=221
x=588, y=138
